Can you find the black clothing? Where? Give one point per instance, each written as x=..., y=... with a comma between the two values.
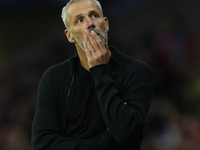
x=124, y=79
x=84, y=117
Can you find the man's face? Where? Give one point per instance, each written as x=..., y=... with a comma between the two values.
x=85, y=15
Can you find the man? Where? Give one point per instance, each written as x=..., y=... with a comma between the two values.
x=97, y=100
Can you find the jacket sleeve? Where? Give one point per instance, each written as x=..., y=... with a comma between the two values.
x=46, y=125
x=124, y=115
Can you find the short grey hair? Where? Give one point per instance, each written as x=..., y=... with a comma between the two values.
x=65, y=8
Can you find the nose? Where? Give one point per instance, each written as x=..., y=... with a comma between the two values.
x=90, y=24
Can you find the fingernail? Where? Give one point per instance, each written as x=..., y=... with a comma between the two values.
x=92, y=32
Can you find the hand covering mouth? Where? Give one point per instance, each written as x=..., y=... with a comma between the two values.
x=99, y=33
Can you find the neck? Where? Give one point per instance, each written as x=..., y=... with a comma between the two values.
x=82, y=57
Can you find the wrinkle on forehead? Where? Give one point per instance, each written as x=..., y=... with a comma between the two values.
x=78, y=7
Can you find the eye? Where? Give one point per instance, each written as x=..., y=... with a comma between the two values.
x=79, y=20
x=94, y=15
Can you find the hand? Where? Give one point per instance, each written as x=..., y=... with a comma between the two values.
x=96, y=52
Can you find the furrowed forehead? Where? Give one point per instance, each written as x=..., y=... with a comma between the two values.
x=80, y=7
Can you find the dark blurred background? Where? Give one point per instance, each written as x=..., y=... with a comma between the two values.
x=163, y=33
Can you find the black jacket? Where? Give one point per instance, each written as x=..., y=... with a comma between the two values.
x=124, y=79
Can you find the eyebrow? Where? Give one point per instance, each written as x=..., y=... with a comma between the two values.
x=93, y=11
x=90, y=12
x=78, y=16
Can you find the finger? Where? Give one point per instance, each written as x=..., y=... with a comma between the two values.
x=91, y=49
x=87, y=50
x=103, y=49
x=98, y=40
x=93, y=41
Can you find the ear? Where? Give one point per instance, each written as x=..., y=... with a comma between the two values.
x=69, y=36
x=106, y=23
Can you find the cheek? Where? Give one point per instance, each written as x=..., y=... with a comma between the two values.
x=103, y=26
x=78, y=33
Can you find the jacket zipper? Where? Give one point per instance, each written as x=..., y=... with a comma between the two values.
x=65, y=116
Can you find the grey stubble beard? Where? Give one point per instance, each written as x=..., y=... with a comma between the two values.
x=102, y=36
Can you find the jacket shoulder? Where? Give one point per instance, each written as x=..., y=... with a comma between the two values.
x=132, y=65
x=58, y=70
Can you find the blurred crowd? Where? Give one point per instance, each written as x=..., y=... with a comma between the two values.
x=173, y=122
